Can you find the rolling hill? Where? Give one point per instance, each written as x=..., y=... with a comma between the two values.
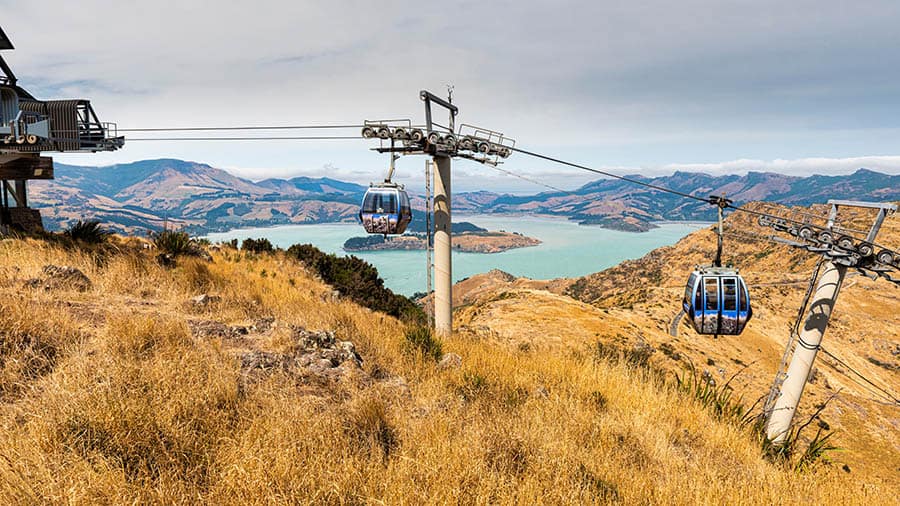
x=147, y=194
x=633, y=306
x=269, y=387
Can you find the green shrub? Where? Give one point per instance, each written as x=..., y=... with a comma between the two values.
x=358, y=280
x=262, y=245
x=87, y=231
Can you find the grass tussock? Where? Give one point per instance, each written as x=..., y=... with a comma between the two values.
x=88, y=232
x=421, y=340
x=121, y=403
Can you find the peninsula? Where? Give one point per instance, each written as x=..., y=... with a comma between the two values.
x=467, y=237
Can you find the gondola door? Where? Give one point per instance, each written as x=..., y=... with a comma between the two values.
x=728, y=317
x=711, y=298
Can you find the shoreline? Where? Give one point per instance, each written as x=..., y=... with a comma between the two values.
x=489, y=242
x=461, y=216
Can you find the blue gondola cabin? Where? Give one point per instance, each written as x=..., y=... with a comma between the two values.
x=717, y=301
x=385, y=210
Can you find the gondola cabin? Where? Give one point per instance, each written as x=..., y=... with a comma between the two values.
x=717, y=301
x=385, y=210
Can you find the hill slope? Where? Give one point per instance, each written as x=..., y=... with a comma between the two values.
x=634, y=304
x=124, y=390
x=141, y=195
x=623, y=205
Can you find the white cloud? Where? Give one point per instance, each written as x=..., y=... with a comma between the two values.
x=798, y=167
x=629, y=85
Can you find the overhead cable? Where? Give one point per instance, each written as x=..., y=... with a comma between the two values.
x=287, y=138
x=226, y=128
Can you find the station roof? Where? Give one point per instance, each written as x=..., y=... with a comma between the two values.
x=5, y=43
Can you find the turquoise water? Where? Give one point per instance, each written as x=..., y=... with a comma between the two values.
x=567, y=250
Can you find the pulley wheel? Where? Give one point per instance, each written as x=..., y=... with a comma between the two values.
x=826, y=237
x=484, y=147
x=20, y=139
x=384, y=132
x=416, y=135
x=845, y=242
x=31, y=139
x=805, y=233
x=886, y=257
x=865, y=249
x=368, y=132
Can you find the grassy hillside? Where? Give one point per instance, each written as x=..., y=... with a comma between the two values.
x=634, y=304
x=128, y=389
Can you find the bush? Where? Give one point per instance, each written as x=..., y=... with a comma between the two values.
x=262, y=245
x=358, y=280
x=87, y=231
x=175, y=243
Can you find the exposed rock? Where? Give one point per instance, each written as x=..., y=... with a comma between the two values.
x=205, y=299
x=64, y=277
x=324, y=345
x=263, y=325
x=264, y=361
x=450, y=361
x=317, y=353
x=210, y=329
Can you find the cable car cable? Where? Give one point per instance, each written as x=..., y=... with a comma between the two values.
x=519, y=150
x=728, y=205
x=609, y=174
x=227, y=128
x=867, y=380
x=290, y=138
x=534, y=181
x=708, y=200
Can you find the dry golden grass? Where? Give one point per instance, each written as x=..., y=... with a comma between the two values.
x=107, y=397
x=636, y=301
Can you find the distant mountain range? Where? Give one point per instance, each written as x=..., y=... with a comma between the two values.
x=626, y=206
x=151, y=193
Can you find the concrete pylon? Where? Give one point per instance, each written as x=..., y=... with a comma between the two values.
x=443, y=267
x=805, y=352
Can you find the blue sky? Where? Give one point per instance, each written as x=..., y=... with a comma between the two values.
x=636, y=87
